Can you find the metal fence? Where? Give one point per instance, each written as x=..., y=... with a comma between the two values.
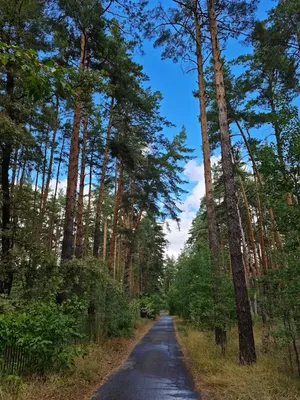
x=17, y=361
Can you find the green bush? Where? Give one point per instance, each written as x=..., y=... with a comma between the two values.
x=120, y=313
x=45, y=332
x=191, y=295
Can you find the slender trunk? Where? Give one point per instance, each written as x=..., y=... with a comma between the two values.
x=19, y=167
x=247, y=352
x=220, y=333
x=68, y=236
x=249, y=226
x=14, y=169
x=276, y=128
x=245, y=248
x=115, y=216
x=49, y=174
x=115, y=258
x=22, y=179
x=43, y=176
x=7, y=274
x=88, y=211
x=14, y=180
x=97, y=233
x=6, y=283
x=129, y=249
x=275, y=231
x=261, y=228
x=277, y=236
x=79, y=222
x=51, y=222
x=35, y=191
x=104, y=238
x=119, y=258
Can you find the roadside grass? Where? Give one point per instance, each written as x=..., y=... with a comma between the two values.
x=218, y=377
x=81, y=382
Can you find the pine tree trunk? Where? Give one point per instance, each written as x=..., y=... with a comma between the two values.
x=88, y=211
x=6, y=282
x=51, y=222
x=104, y=238
x=245, y=248
x=276, y=127
x=68, y=235
x=247, y=352
x=79, y=220
x=43, y=176
x=249, y=226
x=97, y=232
x=49, y=174
x=220, y=333
x=115, y=216
x=128, y=250
x=14, y=169
x=14, y=177
x=257, y=177
x=7, y=274
x=119, y=273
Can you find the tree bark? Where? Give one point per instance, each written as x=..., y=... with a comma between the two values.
x=129, y=249
x=249, y=226
x=257, y=176
x=97, y=232
x=220, y=333
x=247, y=352
x=115, y=216
x=6, y=279
x=68, y=235
x=88, y=211
x=79, y=222
x=49, y=174
x=104, y=239
x=51, y=222
x=7, y=274
x=44, y=167
x=14, y=169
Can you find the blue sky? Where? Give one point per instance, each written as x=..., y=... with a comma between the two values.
x=181, y=108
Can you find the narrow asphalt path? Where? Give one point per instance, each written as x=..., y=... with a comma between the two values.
x=154, y=370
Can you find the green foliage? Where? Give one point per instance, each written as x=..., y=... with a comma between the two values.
x=281, y=301
x=121, y=314
x=45, y=332
x=191, y=295
x=153, y=303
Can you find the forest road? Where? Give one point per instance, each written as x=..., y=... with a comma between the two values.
x=154, y=370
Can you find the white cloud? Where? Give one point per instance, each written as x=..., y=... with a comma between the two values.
x=62, y=185
x=194, y=172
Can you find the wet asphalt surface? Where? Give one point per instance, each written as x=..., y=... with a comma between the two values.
x=154, y=370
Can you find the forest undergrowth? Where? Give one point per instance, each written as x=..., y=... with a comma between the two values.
x=81, y=381
x=221, y=377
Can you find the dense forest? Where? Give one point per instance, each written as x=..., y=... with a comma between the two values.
x=89, y=176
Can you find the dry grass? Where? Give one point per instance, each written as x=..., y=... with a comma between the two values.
x=88, y=374
x=219, y=377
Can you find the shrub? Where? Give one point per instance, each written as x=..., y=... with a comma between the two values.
x=120, y=313
x=191, y=295
x=45, y=332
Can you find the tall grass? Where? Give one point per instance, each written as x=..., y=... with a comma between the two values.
x=219, y=377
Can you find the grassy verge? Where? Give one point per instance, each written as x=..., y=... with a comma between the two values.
x=84, y=379
x=219, y=377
